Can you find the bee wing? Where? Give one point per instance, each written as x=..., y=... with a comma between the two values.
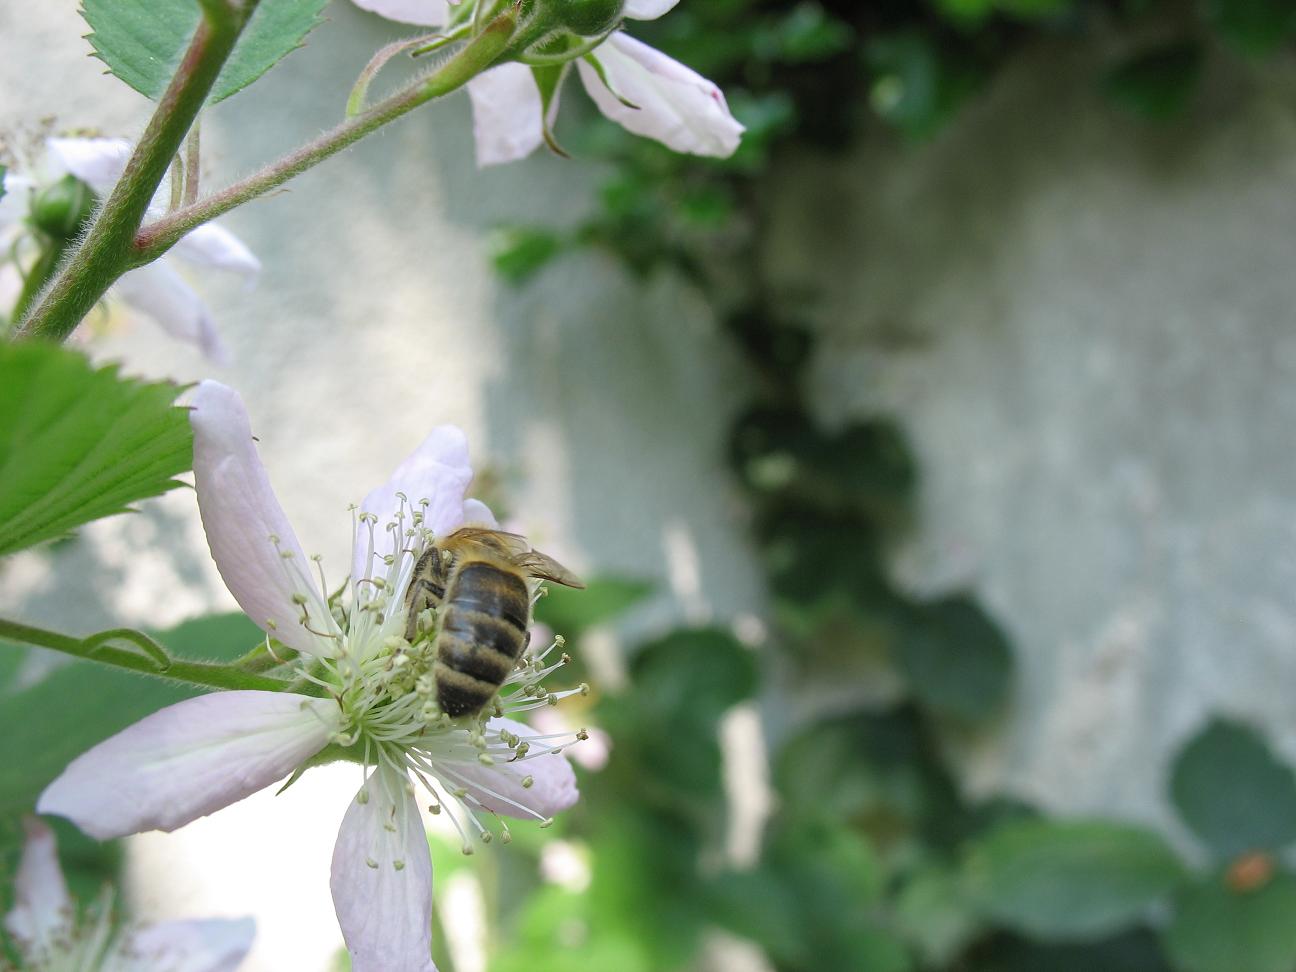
x=509, y=544
x=546, y=568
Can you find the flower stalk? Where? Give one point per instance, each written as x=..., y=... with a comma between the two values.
x=475, y=57
x=144, y=657
x=106, y=252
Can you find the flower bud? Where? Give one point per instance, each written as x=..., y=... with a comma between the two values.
x=588, y=18
x=62, y=209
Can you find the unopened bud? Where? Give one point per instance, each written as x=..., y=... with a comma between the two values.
x=63, y=208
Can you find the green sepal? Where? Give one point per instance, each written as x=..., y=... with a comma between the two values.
x=549, y=79
x=597, y=65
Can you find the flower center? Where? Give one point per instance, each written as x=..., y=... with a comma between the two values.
x=385, y=686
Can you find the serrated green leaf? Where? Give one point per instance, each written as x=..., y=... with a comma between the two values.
x=1069, y=880
x=1217, y=929
x=79, y=443
x=47, y=725
x=1232, y=792
x=142, y=41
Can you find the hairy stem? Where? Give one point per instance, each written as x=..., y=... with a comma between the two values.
x=141, y=659
x=39, y=275
x=467, y=63
x=105, y=253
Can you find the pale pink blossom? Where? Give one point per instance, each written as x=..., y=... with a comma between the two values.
x=156, y=290
x=374, y=700
x=43, y=925
x=633, y=84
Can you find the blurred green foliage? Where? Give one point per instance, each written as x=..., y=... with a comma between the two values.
x=874, y=858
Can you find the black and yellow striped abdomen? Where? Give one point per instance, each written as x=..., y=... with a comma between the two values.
x=482, y=632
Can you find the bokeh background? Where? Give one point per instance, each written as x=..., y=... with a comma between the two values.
x=931, y=461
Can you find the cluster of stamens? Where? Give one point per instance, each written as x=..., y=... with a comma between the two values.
x=385, y=686
x=96, y=942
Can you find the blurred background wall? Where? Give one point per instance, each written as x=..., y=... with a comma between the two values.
x=1084, y=322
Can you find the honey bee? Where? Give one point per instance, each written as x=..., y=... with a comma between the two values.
x=478, y=581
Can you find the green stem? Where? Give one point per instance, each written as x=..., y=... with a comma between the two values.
x=97, y=648
x=467, y=63
x=260, y=658
x=39, y=275
x=105, y=254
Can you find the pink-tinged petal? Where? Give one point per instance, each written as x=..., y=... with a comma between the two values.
x=382, y=879
x=673, y=103
x=507, y=111
x=188, y=760
x=214, y=246
x=202, y=945
x=98, y=162
x=16, y=201
x=648, y=9
x=429, y=13
x=477, y=513
x=159, y=292
x=268, y=577
x=500, y=787
x=436, y=472
x=42, y=910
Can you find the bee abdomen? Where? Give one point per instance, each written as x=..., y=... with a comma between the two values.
x=478, y=645
x=481, y=636
x=485, y=588
x=459, y=694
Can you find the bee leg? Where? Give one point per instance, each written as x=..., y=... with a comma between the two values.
x=422, y=597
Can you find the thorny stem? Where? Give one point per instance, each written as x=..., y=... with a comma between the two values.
x=142, y=659
x=105, y=253
x=471, y=60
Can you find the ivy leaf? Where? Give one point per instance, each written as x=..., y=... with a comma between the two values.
x=934, y=914
x=1218, y=929
x=1232, y=792
x=520, y=252
x=1135, y=951
x=1069, y=880
x=955, y=658
x=1157, y=83
x=1257, y=28
x=79, y=443
x=142, y=41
